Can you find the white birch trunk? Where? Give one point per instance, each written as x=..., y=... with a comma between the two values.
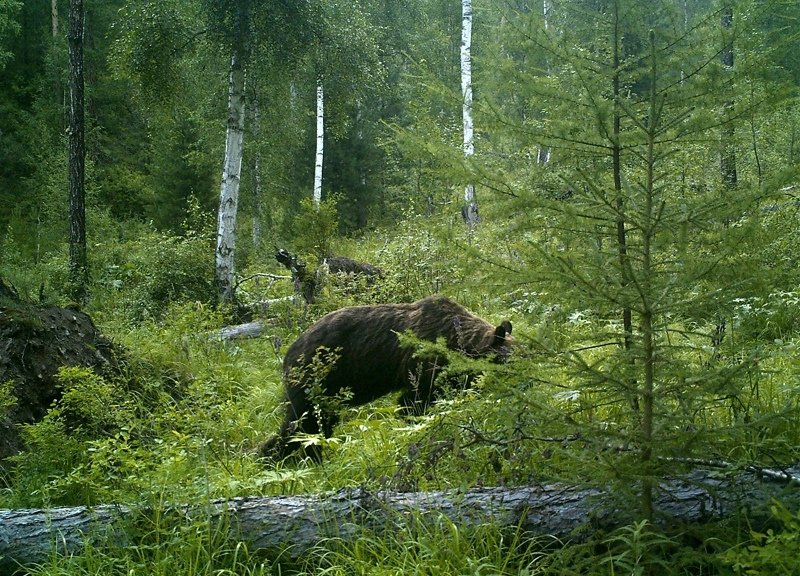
x=470, y=213
x=543, y=154
x=320, y=146
x=231, y=175
x=547, y=9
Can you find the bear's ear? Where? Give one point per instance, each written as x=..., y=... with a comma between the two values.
x=500, y=335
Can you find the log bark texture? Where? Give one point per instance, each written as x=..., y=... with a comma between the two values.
x=248, y=330
x=294, y=524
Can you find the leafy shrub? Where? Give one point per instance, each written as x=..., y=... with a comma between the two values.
x=770, y=318
x=773, y=552
x=155, y=270
x=51, y=471
x=637, y=549
x=90, y=403
x=316, y=228
x=417, y=263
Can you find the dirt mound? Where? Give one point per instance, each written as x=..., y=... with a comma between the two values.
x=35, y=342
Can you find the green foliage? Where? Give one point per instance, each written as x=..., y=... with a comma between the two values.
x=7, y=398
x=8, y=26
x=637, y=549
x=316, y=228
x=163, y=543
x=313, y=376
x=89, y=403
x=149, y=42
x=769, y=319
x=418, y=263
x=184, y=398
x=183, y=421
x=423, y=547
x=56, y=468
x=774, y=552
x=623, y=253
x=143, y=276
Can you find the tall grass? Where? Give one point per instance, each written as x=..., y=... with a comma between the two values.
x=184, y=421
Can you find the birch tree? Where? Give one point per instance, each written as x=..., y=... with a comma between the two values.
x=344, y=62
x=320, y=144
x=239, y=24
x=470, y=212
x=54, y=17
x=231, y=176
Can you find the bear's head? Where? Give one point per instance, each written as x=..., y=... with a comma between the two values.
x=503, y=339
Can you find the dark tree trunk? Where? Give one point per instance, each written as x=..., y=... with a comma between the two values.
x=77, y=157
x=622, y=241
x=728, y=159
x=54, y=17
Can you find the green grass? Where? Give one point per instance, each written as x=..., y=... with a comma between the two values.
x=184, y=422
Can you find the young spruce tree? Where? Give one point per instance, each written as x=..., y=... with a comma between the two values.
x=629, y=228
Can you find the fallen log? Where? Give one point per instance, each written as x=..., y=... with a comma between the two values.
x=294, y=524
x=247, y=330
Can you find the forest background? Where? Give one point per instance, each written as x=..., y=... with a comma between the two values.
x=635, y=165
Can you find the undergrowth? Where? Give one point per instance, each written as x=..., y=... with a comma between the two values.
x=184, y=419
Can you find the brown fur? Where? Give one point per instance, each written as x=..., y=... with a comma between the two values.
x=342, y=264
x=309, y=283
x=371, y=363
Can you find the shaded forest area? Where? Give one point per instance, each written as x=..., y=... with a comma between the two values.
x=619, y=178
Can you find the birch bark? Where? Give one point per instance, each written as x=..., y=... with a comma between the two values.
x=320, y=145
x=231, y=175
x=470, y=213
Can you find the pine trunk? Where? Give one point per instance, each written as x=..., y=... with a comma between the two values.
x=54, y=17
x=728, y=159
x=78, y=266
x=231, y=175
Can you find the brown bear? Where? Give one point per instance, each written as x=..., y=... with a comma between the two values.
x=356, y=353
